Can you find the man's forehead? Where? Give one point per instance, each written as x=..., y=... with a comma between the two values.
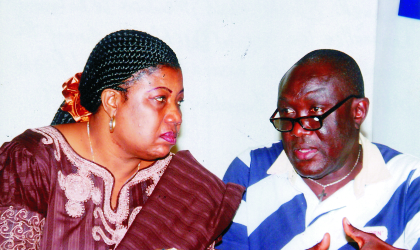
x=308, y=93
x=311, y=79
x=310, y=70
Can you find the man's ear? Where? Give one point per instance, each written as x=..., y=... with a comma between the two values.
x=111, y=99
x=360, y=111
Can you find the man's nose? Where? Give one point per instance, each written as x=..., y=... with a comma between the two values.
x=299, y=131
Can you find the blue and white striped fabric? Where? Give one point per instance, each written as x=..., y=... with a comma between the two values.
x=279, y=211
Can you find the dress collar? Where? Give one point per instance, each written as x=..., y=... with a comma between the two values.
x=374, y=168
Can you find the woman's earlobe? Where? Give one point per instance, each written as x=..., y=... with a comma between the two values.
x=110, y=100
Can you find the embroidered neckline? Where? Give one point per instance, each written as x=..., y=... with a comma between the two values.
x=79, y=187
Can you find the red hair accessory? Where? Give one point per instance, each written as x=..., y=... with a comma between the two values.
x=72, y=99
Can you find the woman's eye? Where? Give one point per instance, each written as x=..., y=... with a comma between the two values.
x=180, y=102
x=160, y=98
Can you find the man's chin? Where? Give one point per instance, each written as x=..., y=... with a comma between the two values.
x=307, y=171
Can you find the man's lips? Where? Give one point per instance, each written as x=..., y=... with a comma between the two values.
x=305, y=153
x=169, y=137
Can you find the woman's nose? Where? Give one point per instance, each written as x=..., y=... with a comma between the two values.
x=174, y=115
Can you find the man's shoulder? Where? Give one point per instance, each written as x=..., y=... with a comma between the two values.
x=251, y=166
x=400, y=165
x=387, y=152
x=261, y=153
x=394, y=157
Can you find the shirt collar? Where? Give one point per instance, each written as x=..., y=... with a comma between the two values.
x=374, y=168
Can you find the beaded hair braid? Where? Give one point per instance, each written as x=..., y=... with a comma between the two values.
x=115, y=59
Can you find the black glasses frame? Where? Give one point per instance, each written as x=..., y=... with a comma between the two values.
x=319, y=117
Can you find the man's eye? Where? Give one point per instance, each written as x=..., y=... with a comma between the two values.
x=286, y=111
x=316, y=109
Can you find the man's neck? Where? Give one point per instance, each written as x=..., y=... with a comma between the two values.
x=330, y=183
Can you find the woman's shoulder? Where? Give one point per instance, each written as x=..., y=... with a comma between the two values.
x=30, y=139
x=41, y=143
x=33, y=150
x=184, y=164
x=187, y=196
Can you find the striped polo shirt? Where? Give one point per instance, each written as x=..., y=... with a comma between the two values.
x=279, y=211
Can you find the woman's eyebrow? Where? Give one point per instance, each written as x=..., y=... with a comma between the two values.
x=170, y=91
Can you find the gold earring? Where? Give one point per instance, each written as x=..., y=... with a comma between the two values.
x=112, y=124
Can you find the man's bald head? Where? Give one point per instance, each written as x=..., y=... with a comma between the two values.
x=344, y=67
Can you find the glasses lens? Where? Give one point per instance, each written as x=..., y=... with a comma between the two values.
x=310, y=123
x=283, y=125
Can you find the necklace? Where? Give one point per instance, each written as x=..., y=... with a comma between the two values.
x=90, y=142
x=91, y=148
x=323, y=194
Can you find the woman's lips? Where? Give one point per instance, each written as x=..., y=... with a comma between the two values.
x=305, y=153
x=169, y=137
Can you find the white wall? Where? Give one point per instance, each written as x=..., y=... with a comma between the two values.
x=396, y=118
x=233, y=54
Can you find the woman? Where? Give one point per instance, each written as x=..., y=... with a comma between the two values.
x=103, y=177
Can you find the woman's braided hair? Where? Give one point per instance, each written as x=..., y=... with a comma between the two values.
x=115, y=59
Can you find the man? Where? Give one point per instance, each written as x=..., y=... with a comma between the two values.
x=324, y=173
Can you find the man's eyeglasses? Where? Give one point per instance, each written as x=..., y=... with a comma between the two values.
x=310, y=123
